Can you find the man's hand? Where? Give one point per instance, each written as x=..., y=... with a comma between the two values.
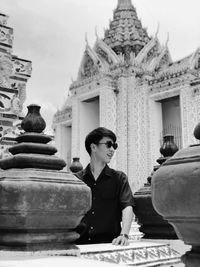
x=120, y=240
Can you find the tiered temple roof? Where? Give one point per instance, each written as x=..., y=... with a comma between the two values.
x=126, y=34
x=127, y=44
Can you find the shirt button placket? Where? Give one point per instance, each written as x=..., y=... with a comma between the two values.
x=94, y=189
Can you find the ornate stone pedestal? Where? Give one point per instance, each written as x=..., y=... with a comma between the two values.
x=153, y=225
x=40, y=206
x=176, y=196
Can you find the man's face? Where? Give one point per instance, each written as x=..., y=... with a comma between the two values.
x=102, y=151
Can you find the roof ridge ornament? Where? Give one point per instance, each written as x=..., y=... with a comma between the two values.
x=167, y=41
x=96, y=33
x=86, y=40
x=158, y=28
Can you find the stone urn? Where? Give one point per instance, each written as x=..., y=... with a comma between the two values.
x=176, y=196
x=40, y=205
x=76, y=166
x=153, y=226
x=168, y=148
x=33, y=122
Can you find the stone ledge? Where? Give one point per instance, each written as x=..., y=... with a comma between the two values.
x=143, y=254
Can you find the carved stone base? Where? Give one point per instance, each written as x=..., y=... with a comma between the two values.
x=12, y=254
x=136, y=254
x=36, y=241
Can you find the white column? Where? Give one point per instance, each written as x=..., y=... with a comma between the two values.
x=138, y=134
x=58, y=138
x=122, y=127
x=189, y=115
x=190, y=112
x=75, y=128
x=108, y=113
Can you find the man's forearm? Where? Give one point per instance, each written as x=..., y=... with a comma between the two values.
x=127, y=218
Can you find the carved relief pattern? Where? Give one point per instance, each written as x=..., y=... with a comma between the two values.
x=138, y=161
x=189, y=115
x=16, y=105
x=21, y=67
x=152, y=53
x=5, y=70
x=103, y=55
x=6, y=35
x=89, y=68
x=5, y=104
x=108, y=112
x=190, y=100
x=63, y=116
x=196, y=96
x=3, y=19
x=122, y=131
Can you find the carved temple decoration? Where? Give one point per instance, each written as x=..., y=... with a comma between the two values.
x=14, y=74
x=126, y=34
x=123, y=80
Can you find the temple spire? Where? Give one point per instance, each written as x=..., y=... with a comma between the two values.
x=124, y=4
x=125, y=34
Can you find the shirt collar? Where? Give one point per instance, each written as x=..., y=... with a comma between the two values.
x=106, y=171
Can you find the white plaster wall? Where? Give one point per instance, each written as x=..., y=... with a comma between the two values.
x=155, y=134
x=67, y=146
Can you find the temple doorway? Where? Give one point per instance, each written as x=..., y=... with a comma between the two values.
x=89, y=120
x=171, y=119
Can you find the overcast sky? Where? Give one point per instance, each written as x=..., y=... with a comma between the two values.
x=51, y=33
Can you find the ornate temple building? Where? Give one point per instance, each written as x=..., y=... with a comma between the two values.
x=128, y=83
x=14, y=74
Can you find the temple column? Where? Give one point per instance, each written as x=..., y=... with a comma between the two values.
x=122, y=130
x=190, y=112
x=138, y=133
x=58, y=138
x=108, y=112
x=75, y=128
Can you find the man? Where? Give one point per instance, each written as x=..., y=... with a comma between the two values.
x=112, y=199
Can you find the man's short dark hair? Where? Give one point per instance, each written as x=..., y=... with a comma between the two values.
x=96, y=135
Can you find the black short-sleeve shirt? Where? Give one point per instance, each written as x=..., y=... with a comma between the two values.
x=111, y=193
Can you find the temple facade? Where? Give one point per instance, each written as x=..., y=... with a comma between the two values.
x=129, y=83
x=14, y=74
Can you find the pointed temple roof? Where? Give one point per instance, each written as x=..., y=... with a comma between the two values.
x=126, y=34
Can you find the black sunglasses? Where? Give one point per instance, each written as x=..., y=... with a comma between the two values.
x=109, y=144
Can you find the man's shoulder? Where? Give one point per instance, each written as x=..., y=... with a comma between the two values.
x=117, y=173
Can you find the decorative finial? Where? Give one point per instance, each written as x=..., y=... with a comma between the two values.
x=96, y=33
x=86, y=39
x=72, y=80
x=167, y=41
x=158, y=28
